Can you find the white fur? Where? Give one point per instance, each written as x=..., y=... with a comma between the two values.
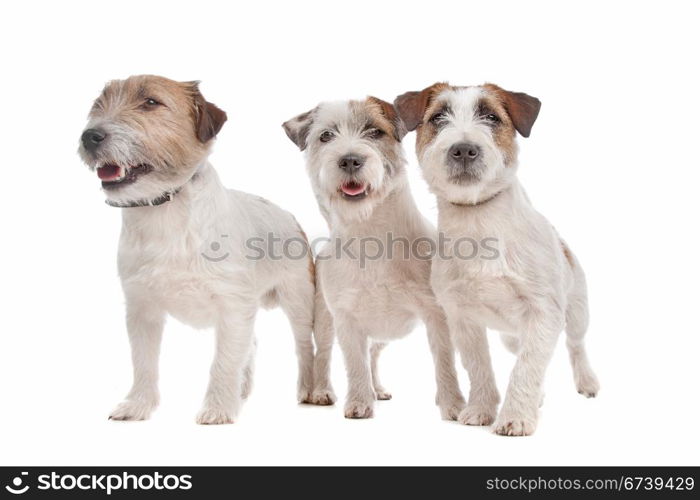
x=163, y=271
x=326, y=176
x=125, y=148
x=168, y=265
x=530, y=292
x=381, y=301
x=463, y=126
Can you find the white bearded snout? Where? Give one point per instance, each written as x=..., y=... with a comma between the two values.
x=486, y=173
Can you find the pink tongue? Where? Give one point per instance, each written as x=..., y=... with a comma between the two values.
x=109, y=172
x=352, y=188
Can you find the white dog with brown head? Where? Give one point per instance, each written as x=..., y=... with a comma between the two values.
x=184, y=243
x=467, y=150
x=357, y=170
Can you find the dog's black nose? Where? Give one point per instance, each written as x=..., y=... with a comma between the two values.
x=351, y=163
x=464, y=152
x=92, y=138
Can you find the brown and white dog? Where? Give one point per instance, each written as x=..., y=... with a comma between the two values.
x=182, y=249
x=535, y=288
x=357, y=170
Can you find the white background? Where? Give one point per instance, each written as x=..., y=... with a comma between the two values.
x=612, y=161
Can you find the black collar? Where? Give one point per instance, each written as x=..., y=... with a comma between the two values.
x=481, y=202
x=163, y=198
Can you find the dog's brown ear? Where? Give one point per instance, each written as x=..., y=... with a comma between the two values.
x=297, y=128
x=411, y=106
x=208, y=117
x=522, y=109
x=390, y=113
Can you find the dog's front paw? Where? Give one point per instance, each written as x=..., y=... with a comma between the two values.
x=358, y=409
x=477, y=415
x=323, y=397
x=132, y=409
x=587, y=384
x=382, y=394
x=304, y=396
x=514, y=425
x=452, y=409
x=214, y=416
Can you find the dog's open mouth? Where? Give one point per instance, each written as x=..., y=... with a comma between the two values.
x=353, y=190
x=114, y=176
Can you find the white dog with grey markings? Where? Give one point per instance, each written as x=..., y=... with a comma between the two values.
x=182, y=244
x=357, y=170
x=467, y=151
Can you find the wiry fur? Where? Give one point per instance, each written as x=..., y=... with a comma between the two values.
x=162, y=249
x=372, y=305
x=534, y=289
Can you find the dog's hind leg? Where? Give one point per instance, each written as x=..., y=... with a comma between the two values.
x=296, y=297
x=374, y=352
x=324, y=334
x=576, y=327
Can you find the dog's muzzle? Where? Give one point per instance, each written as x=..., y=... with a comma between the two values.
x=115, y=176
x=463, y=161
x=351, y=163
x=92, y=139
x=354, y=190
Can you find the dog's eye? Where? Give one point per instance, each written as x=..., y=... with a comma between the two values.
x=151, y=103
x=438, y=117
x=326, y=136
x=374, y=133
x=491, y=117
